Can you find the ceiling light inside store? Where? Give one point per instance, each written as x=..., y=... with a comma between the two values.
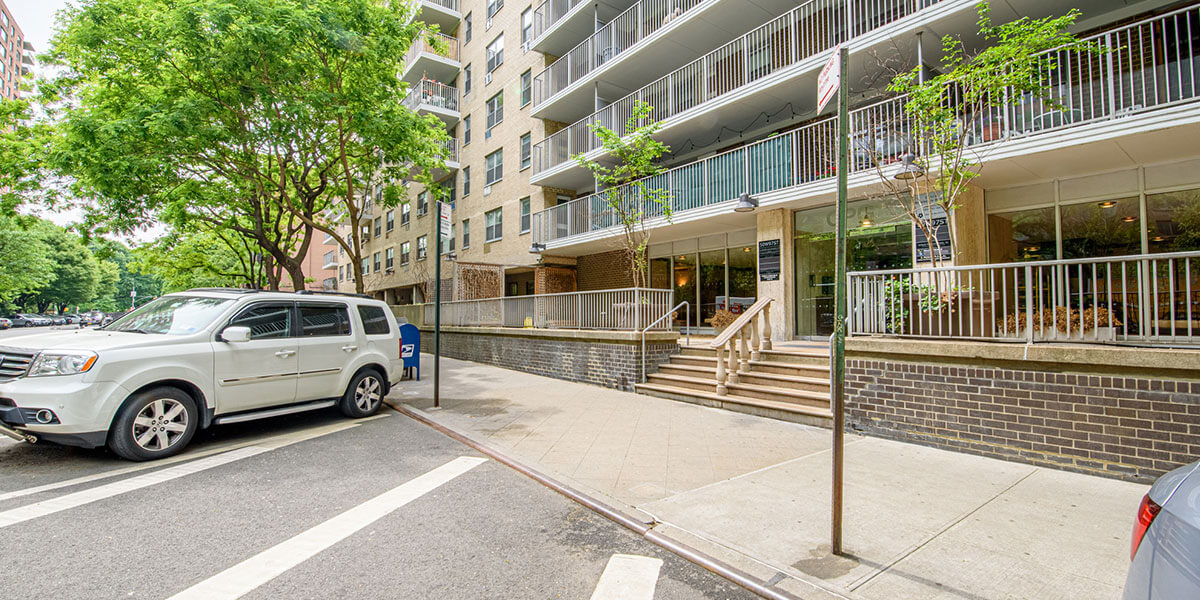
x=1107, y=204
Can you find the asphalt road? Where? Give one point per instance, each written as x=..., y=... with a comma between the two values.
x=15, y=331
x=314, y=506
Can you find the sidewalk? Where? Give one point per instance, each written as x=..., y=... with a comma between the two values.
x=919, y=522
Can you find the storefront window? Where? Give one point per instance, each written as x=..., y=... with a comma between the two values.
x=743, y=278
x=1101, y=228
x=1173, y=221
x=684, y=273
x=1022, y=235
x=712, y=283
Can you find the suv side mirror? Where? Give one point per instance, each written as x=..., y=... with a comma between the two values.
x=236, y=334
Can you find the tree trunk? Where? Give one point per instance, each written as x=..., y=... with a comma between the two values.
x=295, y=269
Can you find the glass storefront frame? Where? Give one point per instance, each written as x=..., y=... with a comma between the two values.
x=687, y=271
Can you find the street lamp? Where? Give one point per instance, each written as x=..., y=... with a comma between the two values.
x=537, y=248
x=746, y=203
x=908, y=169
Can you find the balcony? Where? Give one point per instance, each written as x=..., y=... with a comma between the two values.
x=443, y=13
x=1134, y=88
x=432, y=56
x=434, y=98
x=673, y=32
x=559, y=24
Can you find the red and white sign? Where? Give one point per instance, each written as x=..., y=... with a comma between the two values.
x=444, y=218
x=829, y=79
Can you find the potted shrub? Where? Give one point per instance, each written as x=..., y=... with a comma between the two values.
x=722, y=319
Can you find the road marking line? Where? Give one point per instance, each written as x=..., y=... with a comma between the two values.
x=628, y=577
x=253, y=572
x=48, y=507
x=271, y=443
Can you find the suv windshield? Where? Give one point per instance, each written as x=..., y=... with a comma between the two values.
x=172, y=315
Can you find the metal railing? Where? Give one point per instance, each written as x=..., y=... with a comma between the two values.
x=687, y=306
x=423, y=43
x=432, y=93
x=548, y=13
x=627, y=309
x=1134, y=76
x=812, y=28
x=620, y=34
x=1145, y=298
x=451, y=147
x=449, y=4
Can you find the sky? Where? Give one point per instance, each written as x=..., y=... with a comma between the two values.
x=36, y=20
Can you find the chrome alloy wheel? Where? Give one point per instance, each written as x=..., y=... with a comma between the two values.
x=368, y=393
x=160, y=424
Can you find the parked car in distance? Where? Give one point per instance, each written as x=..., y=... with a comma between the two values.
x=20, y=320
x=145, y=384
x=72, y=319
x=1165, y=551
x=5, y=323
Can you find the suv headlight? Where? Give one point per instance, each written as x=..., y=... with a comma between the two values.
x=61, y=363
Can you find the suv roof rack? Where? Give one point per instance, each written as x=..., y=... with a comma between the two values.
x=331, y=293
x=226, y=289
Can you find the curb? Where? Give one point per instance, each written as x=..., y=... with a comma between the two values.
x=631, y=522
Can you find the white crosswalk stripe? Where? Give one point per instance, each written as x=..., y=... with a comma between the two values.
x=628, y=577
x=49, y=507
x=253, y=572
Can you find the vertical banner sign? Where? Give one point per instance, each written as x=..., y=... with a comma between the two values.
x=830, y=79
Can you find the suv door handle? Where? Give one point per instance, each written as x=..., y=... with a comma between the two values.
x=285, y=353
x=349, y=348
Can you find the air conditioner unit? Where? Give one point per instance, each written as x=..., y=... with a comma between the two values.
x=487, y=190
x=390, y=270
x=524, y=47
x=487, y=24
x=487, y=78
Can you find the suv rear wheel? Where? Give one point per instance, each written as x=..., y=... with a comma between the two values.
x=363, y=396
x=156, y=423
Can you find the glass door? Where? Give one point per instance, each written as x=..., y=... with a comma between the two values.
x=712, y=284
x=684, y=274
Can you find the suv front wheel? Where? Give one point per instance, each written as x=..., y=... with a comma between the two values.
x=155, y=423
x=363, y=396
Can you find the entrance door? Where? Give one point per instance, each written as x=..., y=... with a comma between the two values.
x=712, y=284
x=685, y=283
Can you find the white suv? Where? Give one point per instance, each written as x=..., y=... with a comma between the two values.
x=146, y=383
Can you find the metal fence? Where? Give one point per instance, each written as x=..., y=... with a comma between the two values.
x=450, y=4
x=631, y=309
x=432, y=93
x=1147, y=298
x=548, y=13
x=809, y=29
x=423, y=43
x=1149, y=64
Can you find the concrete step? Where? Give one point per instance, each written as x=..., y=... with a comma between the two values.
x=784, y=368
x=683, y=381
x=796, y=357
x=795, y=413
x=789, y=381
x=695, y=360
x=690, y=370
x=777, y=394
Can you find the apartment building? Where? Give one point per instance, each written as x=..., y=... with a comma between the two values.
x=16, y=54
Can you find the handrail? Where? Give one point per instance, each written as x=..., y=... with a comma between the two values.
x=656, y=321
x=740, y=322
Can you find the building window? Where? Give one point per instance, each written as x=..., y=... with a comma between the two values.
x=493, y=7
x=341, y=272
x=526, y=87
x=404, y=248
x=466, y=80
x=526, y=28
x=525, y=218
x=467, y=130
x=495, y=110
x=526, y=151
x=466, y=233
x=378, y=226
x=391, y=220
x=405, y=214
x=495, y=167
x=390, y=258
x=376, y=261
x=467, y=32
x=466, y=181
x=330, y=258
x=422, y=247
x=495, y=53
x=493, y=221
x=449, y=243
x=422, y=203
x=366, y=266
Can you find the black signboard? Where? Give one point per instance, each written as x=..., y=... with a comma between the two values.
x=941, y=231
x=768, y=260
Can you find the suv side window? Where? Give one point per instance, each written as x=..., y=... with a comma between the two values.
x=266, y=320
x=375, y=321
x=323, y=320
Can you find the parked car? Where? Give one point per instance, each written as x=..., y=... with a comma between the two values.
x=21, y=320
x=146, y=383
x=1166, y=539
x=72, y=319
x=5, y=323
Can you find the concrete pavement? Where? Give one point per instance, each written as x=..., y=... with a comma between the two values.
x=919, y=522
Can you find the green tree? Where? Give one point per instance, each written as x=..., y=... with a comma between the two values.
x=115, y=294
x=75, y=273
x=945, y=113
x=26, y=262
x=186, y=260
x=260, y=118
x=629, y=199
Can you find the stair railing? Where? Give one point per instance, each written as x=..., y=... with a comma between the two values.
x=688, y=308
x=742, y=339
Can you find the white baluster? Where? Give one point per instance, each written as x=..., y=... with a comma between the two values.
x=721, y=375
x=744, y=351
x=755, y=340
x=766, y=330
x=731, y=369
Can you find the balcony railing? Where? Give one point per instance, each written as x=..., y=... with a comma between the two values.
x=432, y=93
x=451, y=148
x=1147, y=298
x=809, y=29
x=423, y=43
x=448, y=4
x=1148, y=66
x=630, y=309
x=550, y=12
x=619, y=35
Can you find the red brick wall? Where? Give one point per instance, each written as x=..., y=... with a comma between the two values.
x=604, y=271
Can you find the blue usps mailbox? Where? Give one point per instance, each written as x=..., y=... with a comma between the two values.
x=410, y=348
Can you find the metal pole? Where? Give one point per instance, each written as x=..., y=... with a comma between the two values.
x=839, y=301
x=437, y=304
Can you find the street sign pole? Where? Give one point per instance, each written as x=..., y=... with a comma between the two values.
x=437, y=309
x=839, y=300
